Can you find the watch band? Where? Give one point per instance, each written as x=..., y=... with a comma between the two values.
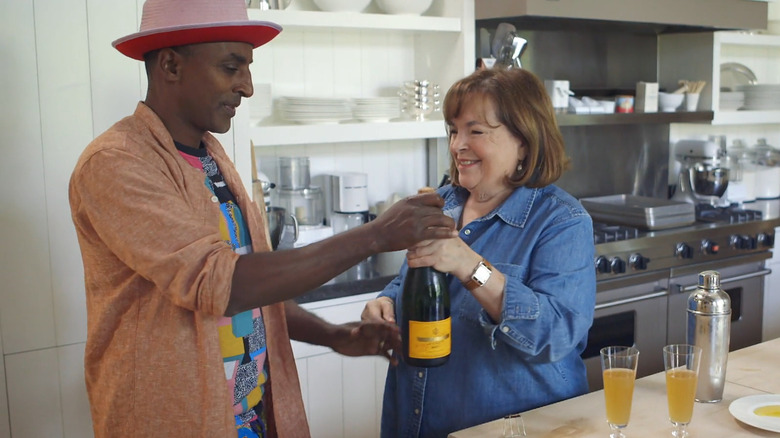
x=475, y=282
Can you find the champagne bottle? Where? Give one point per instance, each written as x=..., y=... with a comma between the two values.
x=426, y=326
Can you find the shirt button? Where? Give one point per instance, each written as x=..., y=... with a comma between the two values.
x=505, y=329
x=416, y=412
x=214, y=199
x=420, y=374
x=467, y=231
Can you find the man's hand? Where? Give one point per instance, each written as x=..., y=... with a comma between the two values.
x=368, y=338
x=412, y=220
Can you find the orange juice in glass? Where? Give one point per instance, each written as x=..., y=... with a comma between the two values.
x=680, y=392
x=681, y=363
x=618, y=393
x=618, y=366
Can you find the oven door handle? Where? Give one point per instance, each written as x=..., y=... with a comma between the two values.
x=761, y=273
x=632, y=300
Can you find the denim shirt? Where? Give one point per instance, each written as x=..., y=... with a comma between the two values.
x=542, y=241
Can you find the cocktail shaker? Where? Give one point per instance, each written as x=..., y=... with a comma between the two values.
x=709, y=327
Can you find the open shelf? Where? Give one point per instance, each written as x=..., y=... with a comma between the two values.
x=292, y=134
x=291, y=19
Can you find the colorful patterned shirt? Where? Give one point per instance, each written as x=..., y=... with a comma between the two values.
x=242, y=336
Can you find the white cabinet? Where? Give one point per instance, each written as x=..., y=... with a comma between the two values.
x=342, y=395
x=699, y=56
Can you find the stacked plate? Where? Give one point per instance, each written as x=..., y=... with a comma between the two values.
x=761, y=97
x=731, y=100
x=260, y=104
x=314, y=110
x=377, y=109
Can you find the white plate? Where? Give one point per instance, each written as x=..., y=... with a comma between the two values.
x=742, y=409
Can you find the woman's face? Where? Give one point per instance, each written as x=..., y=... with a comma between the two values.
x=484, y=150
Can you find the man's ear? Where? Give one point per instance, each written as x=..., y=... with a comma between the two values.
x=169, y=62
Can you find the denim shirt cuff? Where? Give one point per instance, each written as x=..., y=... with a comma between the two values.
x=520, y=303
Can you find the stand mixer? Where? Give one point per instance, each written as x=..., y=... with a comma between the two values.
x=703, y=177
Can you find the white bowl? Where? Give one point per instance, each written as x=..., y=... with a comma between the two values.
x=404, y=7
x=669, y=102
x=342, y=5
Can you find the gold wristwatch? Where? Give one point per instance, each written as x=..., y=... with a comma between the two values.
x=480, y=275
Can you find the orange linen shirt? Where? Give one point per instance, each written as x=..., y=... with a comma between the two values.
x=158, y=277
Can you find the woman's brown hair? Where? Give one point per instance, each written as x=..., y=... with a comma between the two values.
x=523, y=106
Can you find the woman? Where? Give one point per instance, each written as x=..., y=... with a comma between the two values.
x=521, y=277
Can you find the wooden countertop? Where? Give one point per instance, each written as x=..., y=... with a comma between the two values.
x=752, y=370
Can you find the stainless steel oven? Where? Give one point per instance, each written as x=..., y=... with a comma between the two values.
x=628, y=312
x=743, y=279
x=644, y=279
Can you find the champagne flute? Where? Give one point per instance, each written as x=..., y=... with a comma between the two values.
x=618, y=366
x=681, y=363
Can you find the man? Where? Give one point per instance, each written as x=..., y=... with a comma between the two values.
x=187, y=329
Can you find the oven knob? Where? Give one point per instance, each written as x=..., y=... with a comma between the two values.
x=683, y=251
x=709, y=247
x=743, y=242
x=766, y=239
x=618, y=265
x=602, y=265
x=638, y=261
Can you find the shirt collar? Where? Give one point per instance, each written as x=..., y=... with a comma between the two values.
x=514, y=210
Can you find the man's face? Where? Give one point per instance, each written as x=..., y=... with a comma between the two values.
x=214, y=77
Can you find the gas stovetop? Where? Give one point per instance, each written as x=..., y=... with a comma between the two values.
x=719, y=233
x=731, y=214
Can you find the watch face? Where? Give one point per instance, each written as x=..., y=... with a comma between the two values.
x=482, y=274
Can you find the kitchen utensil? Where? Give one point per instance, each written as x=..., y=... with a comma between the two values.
x=420, y=99
x=640, y=211
x=709, y=180
x=277, y=220
x=744, y=410
x=669, y=102
x=709, y=328
x=514, y=426
x=691, y=101
x=294, y=173
x=500, y=37
x=508, y=55
x=559, y=92
x=404, y=7
x=342, y=5
x=733, y=74
x=306, y=204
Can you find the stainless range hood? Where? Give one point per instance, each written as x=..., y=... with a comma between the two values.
x=671, y=15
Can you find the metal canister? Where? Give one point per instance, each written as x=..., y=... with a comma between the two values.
x=709, y=327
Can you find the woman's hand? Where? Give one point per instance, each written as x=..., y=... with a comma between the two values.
x=445, y=255
x=380, y=309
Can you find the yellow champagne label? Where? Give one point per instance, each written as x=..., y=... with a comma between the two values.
x=430, y=340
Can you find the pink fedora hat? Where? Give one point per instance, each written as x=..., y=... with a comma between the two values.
x=170, y=23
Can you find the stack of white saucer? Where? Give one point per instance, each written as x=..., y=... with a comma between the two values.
x=377, y=109
x=314, y=110
x=260, y=104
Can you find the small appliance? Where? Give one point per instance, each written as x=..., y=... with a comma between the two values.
x=348, y=200
x=301, y=199
x=703, y=176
